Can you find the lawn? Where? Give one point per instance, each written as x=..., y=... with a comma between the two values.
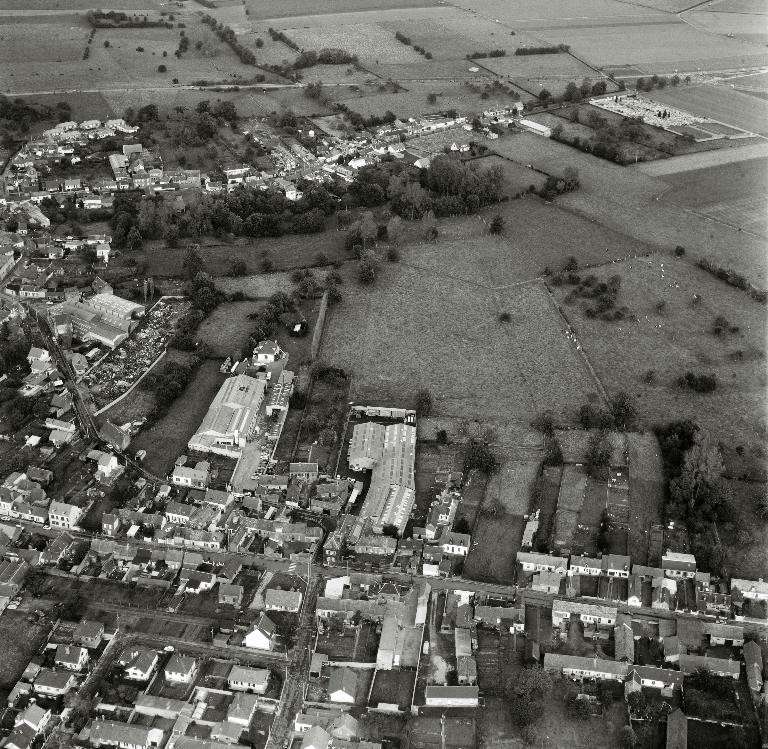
x=227, y=329
x=667, y=334
x=495, y=543
x=167, y=438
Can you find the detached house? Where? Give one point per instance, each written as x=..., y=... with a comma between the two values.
x=261, y=637
x=88, y=634
x=138, y=663
x=180, y=669
x=282, y=600
x=71, y=657
x=63, y=515
x=54, y=683
x=243, y=679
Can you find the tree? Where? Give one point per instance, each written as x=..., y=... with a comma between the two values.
x=480, y=457
x=106, y=43
x=327, y=437
x=525, y=695
x=395, y=231
x=237, y=267
x=497, y=224
x=391, y=531
x=424, y=403
x=432, y=98
x=162, y=69
x=624, y=411
x=442, y=439
x=367, y=270
x=193, y=263
x=134, y=239
x=699, y=489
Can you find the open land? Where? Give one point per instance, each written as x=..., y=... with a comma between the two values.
x=675, y=337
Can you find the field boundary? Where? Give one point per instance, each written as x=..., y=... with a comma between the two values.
x=579, y=345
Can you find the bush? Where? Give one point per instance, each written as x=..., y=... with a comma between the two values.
x=679, y=251
x=162, y=69
x=424, y=403
x=505, y=317
x=697, y=383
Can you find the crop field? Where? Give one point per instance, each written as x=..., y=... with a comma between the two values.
x=678, y=338
x=289, y=8
x=624, y=200
x=167, y=438
x=479, y=368
x=740, y=188
x=720, y=103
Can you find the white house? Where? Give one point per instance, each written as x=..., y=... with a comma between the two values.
x=261, y=637
x=180, y=669
x=267, y=352
x=63, y=515
x=455, y=544
x=138, y=663
x=54, y=683
x=71, y=657
x=243, y=679
x=533, y=562
x=342, y=686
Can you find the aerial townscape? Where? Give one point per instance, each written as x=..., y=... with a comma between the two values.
x=383, y=374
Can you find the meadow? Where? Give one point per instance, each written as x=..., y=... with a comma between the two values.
x=667, y=334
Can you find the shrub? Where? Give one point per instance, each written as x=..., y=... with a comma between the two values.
x=505, y=317
x=697, y=383
x=679, y=251
x=162, y=69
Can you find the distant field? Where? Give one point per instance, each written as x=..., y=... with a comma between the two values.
x=676, y=340
x=719, y=103
x=71, y=5
x=286, y=8
x=740, y=191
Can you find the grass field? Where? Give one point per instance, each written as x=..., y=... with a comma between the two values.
x=479, y=368
x=677, y=339
x=495, y=543
x=165, y=440
x=225, y=331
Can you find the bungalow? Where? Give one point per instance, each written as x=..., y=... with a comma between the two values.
x=71, y=657
x=676, y=564
x=563, y=609
x=54, y=683
x=180, y=669
x=124, y=735
x=342, y=686
x=196, y=478
x=261, y=637
x=590, y=566
x=533, y=562
x=282, y=600
x=578, y=667
x=243, y=679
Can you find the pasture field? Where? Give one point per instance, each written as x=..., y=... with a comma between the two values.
x=561, y=67
x=677, y=338
x=518, y=178
x=478, y=368
x=720, y=103
x=369, y=41
x=624, y=200
x=167, y=438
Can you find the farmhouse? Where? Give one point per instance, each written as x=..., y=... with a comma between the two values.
x=231, y=417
